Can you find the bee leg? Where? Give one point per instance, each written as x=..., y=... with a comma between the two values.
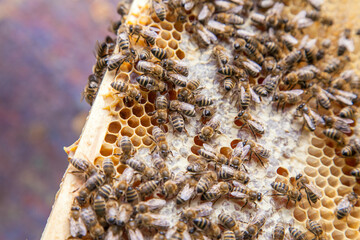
x=283, y=107
x=244, y=168
x=258, y=157
x=153, y=150
x=287, y=203
x=244, y=205
x=253, y=132
x=277, y=107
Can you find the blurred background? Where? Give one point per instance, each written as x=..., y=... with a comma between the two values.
x=46, y=52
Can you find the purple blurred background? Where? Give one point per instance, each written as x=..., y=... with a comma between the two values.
x=46, y=52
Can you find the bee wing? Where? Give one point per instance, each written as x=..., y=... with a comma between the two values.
x=345, y=120
x=135, y=235
x=242, y=93
x=204, y=13
x=210, y=35
x=256, y=125
x=209, y=148
x=348, y=43
x=276, y=9
x=329, y=95
x=217, y=25
x=314, y=189
x=187, y=106
x=244, y=33
x=344, y=203
x=344, y=100
x=346, y=94
x=227, y=169
x=155, y=203
x=238, y=149
x=296, y=92
x=188, y=5
x=204, y=209
x=186, y=192
x=127, y=175
x=316, y=4
x=318, y=118
x=214, y=189
x=245, y=151
x=77, y=227
x=151, y=32
x=237, y=194
x=254, y=96
x=342, y=126
x=309, y=120
x=252, y=65
x=170, y=232
x=290, y=38
x=116, y=58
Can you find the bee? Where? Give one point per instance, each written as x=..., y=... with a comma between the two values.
x=93, y=182
x=205, y=182
x=152, y=220
x=90, y=89
x=347, y=112
x=228, y=173
x=146, y=81
x=210, y=154
x=176, y=66
x=289, y=41
x=151, y=68
x=114, y=232
x=197, y=166
x=160, y=139
x=355, y=172
x=152, y=205
x=259, y=151
x=238, y=155
x=180, y=231
x=206, y=11
x=124, y=182
x=207, y=113
x=145, y=54
x=203, y=36
x=314, y=227
x=341, y=124
x=148, y=33
x=116, y=60
x=162, y=167
x=342, y=96
x=228, y=235
x=270, y=83
x=279, y=232
x=159, y=9
x=123, y=8
x=123, y=41
x=111, y=209
x=239, y=44
x=322, y=96
x=256, y=224
x=159, y=53
x=254, y=125
x=83, y=166
x=333, y=65
x=131, y=92
x=207, y=226
x=105, y=191
x=220, y=53
x=313, y=193
x=183, y=108
x=242, y=192
x=227, y=221
x=177, y=79
x=160, y=236
x=177, y=121
x=309, y=119
x=216, y=192
x=290, y=97
x=352, y=149
x=186, y=94
x=89, y=217
x=344, y=207
x=273, y=49
x=220, y=29
x=284, y=190
x=108, y=168
x=296, y=234
x=161, y=112
x=232, y=71
x=228, y=18
x=99, y=205
x=260, y=90
x=133, y=232
x=289, y=60
x=187, y=193
x=137, y=165
x=131, y=195
x=209, y=130
x=313, y=15
x=148, y=188
x=269, y=64
x=173, y=186
x=202, y=210
x=251, y=67
x=101, y=50
x=335, y=135
x=254, y=54
x=127, y=149
x=77, y=225
x=258, y=19
x=310, y=51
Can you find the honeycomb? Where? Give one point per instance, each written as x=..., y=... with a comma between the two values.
x=293, y=149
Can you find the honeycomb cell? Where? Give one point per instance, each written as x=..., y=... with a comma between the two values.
x=152, y=97
x=136, y=141
x=318, y=133
x=339, y=224
x=140, y=131
x=138, y=110
x=324, y=171
x=351, y=234
x=299, y=215
x=161, y=43
x=106, y=150
x=125, y=113
x=312, y=161
x=330, y=192
x=166, y=25
x=133, y=122
x=234, y=143
x=147, y=141
x=179, y=26
x=194, y=149
x=149, y=130
x=226, y=151
x=314, y=151
x=329, y=152
x=173, y=44
x=353, y=223
x=180, y=54
x=336, y=234
x=122, y=77
x=282, y=172
x=120, y=169
x=127, y=131
x=317, y=142
x=347, y=180
x=311, y=172
x=145, y=121
x=126, y=67
x=114, y=127
x=326, y=161
x=313, y=214
x=355, y=212
x=335, y=171
x=327, y=202
x=129, y=104
x=165, y=35
x=110, y=138
x=339, y=162
x=170, y=17
x=149, y=108
x=333, y=181
x=119, y=106
x=326, y=214
x=170, y=52
x=98, y=161
x=176, y=35
x=197, y=141
x=351, y=162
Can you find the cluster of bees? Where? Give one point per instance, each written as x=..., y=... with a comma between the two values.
x=292, y=73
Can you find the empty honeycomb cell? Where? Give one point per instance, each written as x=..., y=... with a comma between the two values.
x=194, y=149
x=351, y=162
x=180, y=54
x=149, y=130
x=326, y=214
x=282, y=172
x=122, y=77
x=355, y=212
x=351, y=234
x=312, y=161
x=333, y=181
x=170, y=17
x=338, y=235
x=126, y=67
x=226, y=151
x=317, y=142
x=311, y=172
x=98, y=161
x=149, y=108
x=192, y=158
x=176, y=35
x=136, y=141
x=165, y=35
x=140, y=131
x=138, y=110
x=145, y=121
x=314, y=151
x=330, y=192
x=299, y=215
x=125, y=113
x=127, y=131
x=161, y=43
x=313, y=214
x=326, y=161
x=133, y=122
x=147, y=141
x=152, y=96
x=129, y=104
x=110, y=138
x=106, y=150
x=339, y=224
x=353, y=222
x=179, y=26
x=166, y=25
x=338, y=161
x=324, y=171
x=197, y=141
x=318, y=133
x=114, y=127
x=173, y=44
x=347, y=169
x=347, y=180
x=120, y=169
x=327, y=202
x=119, y=106
x=329, y=152
x=335, y=171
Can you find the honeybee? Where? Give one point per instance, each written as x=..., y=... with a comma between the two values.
x=205, y=182
x=77, y=225
x=111, y=209
x=162, y=167
x=137, y=165
x=179, y=232
x=210, y=154
x=254, y=53
x=221, y=55
x=322, y=96
x=197, y=166
x=242, y=192
x=130, y=91
x=228, y=173
x=160, y=139
x=108, y=168
x=150, y=34
x=187, y=193
x=207, y=113
x=352, y=149
x=83, y=166
x=133, y=232
x=201, y=101
x=152, y=205
x=314, y=227
x=125, y=180
x=296, y=234
x=208, y=227
x=173, y=186
x=333, y=65
x=151, y=83
x=161, y=112
x=258, y=19
x=159, y=9
x=203, y=36
x=89, y=217
x=233, y=71
x=284, y=190
x=310, y=51
x=341, y=124
x=347, y=112
x=131, y=195
x=279, y=232
x=151, y=68
x=273, y=49
x=289, y=41
x=127, y=149
x=93, y=182
x=343, y=96
x=209, y=130
x=220, y=29
x=116, y=60
x=216, y=191
x=313, y=193
x=114, y=232
x=145, y=54
x=251, y=67
x=152, y=220
x=159, y=53
x=160, y=236
x=187, y=94
x=90, y=89
x=355, y=172
x=256, y=224
x=287, y=97
x=105, y=191
x=183, y=108
x=254, y=125
x=238, y=155
x=304, y=111
x=270, y=83
x=269, y=64
x=176, y=66
x=99, y=206
x=148, y=188
x=289, y=60
x=206, y=11
x=335, y=135
x=228, y=235
x=239, y=44
x=229, y=18
x=177, y=79
x=227, y=221
x=202, y=210
x=177, y=121
x=344, y=207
